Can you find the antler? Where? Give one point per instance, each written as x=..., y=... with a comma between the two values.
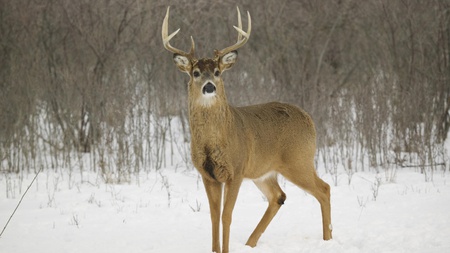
x=240, y=41
x=166, y=38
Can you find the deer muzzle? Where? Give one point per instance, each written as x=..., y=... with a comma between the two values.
x=209, y=89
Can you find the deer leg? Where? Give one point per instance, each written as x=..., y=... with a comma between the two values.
x=276, y=197
x=231, y=193
x=322, y=194
x=214, y=193
x=315, y=186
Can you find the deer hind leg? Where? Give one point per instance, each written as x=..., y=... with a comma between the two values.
x=311, y=183
x=275, y=196
x=322, y=194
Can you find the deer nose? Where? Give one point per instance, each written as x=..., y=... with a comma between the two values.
x=209, y=88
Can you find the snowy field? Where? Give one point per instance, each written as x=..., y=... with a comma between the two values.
x=167, y=211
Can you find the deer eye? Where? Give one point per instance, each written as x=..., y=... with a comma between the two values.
x=196, y=73
x=217, y=73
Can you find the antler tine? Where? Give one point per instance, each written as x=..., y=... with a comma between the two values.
x=166, y=38
x=242, y=36
x=239, y=23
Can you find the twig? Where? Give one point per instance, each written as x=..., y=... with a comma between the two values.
x=403, y=165
x=20, y=201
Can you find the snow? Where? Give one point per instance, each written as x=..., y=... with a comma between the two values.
x=167, y=211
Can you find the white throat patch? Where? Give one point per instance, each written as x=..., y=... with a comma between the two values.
x=207, y=99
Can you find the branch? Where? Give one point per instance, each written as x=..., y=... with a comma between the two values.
x=20, y=201
x=403, y=165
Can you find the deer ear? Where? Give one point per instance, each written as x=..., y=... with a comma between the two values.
x=228, y=60
x=183, y=63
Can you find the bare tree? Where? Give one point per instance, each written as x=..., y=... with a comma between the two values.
x=82, y=76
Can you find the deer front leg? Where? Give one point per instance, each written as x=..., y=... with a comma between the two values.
x=231, y=193
x=214, y=193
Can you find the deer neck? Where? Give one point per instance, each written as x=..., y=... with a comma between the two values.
x=210, y=123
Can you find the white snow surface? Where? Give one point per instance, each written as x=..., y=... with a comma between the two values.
x=167, y=211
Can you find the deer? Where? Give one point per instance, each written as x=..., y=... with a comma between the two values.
x=256, y=142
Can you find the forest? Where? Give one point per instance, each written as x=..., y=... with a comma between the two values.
x=88, y=84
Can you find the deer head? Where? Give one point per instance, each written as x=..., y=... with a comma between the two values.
x=205, y=84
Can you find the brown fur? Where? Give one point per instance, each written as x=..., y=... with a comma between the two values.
x=257, y=142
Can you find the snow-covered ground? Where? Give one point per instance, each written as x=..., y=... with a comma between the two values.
x=167, y=211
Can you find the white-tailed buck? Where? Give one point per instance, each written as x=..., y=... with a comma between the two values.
x=256, y=142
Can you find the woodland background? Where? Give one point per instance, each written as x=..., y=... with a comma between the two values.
x=91, y=80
